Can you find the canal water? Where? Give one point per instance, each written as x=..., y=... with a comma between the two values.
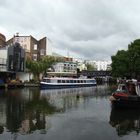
x=65, y=114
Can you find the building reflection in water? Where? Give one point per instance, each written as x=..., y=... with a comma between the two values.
x=23, y=111
x=68, y=98
x=125, y=121
x=27, y=110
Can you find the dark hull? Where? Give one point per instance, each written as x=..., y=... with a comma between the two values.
x=125, y=121
x=45, y=86
x=129, y=103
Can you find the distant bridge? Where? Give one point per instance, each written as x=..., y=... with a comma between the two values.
x=95, y=73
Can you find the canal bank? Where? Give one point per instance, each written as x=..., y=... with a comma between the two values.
x=18, y=85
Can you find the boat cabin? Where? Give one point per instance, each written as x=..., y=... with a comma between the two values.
x=129, y=87
x=68, y=80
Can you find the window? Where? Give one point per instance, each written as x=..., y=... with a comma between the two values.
x=59, y=81
x=71, y=81
x=35, y=46
x=35, y=57
x=63, y=81
x=25, y=47
x=48, y=80
x=25, y=39
x=42, y=52
x=16, y=39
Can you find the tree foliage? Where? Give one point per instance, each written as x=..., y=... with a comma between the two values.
x=127, y=63
x=90, y=67
x=41, y=67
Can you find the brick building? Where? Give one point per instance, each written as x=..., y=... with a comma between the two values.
x=2, y=40
x=35, y=49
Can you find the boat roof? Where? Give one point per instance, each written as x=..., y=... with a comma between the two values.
x=68, y=78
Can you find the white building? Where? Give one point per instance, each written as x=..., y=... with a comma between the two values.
x=81, y=66
x=65, y=67
x=100, y=65
x=3, y=60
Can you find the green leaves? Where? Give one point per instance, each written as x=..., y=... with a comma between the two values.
x=90, y=67
x=127, y=63
x=41, y=67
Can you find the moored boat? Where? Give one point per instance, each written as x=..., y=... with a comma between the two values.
x=63, y=82
x=126, y=96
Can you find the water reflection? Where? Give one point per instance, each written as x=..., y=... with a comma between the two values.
x=27, y=110
x=24, y=111
x=67, y=98
x=125, y=121
x=31, y=111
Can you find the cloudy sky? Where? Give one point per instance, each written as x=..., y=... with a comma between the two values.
x=88, y=29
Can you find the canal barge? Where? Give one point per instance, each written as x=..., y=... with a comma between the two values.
x=127, y=96
x=66, y=82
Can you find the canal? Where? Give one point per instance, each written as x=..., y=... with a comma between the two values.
x=65, y=114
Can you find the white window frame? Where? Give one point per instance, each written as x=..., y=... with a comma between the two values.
x=35, y=46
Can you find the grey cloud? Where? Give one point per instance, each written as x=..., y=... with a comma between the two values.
x=90, y=29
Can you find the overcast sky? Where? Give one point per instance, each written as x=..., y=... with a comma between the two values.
x=88, y=29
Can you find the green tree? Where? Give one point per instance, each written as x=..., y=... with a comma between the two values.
x=134, y=58
x=90, y=67
x=120, y=64
x=41, y=67
x=34, y=67
x=127, y=63
x=48, y=61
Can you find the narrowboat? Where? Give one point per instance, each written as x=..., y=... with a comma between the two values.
x=66, y=82
x=127, y=95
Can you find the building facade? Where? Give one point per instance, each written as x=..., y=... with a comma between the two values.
x=16, y=58
x=100, y=65
x=35, y=49
x=2, y=40
x=65, y=67
x=3, y=60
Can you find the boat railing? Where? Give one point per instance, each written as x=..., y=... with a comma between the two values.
x=122, y=87
x=132, y=88
x=138, y=88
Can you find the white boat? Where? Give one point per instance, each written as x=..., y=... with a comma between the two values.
x=63, y=82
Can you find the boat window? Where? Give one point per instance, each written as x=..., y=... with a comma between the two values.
x=63, y=81
x=46, y=80
x=59, y=81
x=74, y=81
x=71, y=81
x=123, y=87
x=91, y=81
x=67, y=81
